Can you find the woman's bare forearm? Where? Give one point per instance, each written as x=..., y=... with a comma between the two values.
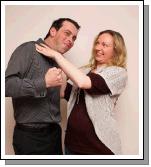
x=79, y=78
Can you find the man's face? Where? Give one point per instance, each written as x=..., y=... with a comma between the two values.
x=65, y=37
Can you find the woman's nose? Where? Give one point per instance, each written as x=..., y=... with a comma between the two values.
x=98, y=47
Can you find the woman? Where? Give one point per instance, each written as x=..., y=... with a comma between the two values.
x=91, y=127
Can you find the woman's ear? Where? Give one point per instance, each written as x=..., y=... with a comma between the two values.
x=52, y=32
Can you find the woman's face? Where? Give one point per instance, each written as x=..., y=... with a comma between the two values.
x=104, y=49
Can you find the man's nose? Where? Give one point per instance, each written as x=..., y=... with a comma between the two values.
x=70, y=40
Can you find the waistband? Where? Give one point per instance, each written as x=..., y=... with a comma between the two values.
x=36, y=127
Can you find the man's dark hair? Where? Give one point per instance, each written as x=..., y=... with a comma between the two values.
x=57, y=24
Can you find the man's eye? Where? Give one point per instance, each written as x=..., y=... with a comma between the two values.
x=67, y=33
x=73, y=39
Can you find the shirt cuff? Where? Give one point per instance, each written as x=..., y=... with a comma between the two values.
x=40, y=88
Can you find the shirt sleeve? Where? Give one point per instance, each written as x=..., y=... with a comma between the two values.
x=115, y=78
x=99, y=85
x=68, y=91
x=16, y=82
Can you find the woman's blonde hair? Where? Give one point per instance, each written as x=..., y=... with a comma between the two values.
x=120, y=53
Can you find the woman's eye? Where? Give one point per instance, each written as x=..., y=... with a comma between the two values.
x=103, y=44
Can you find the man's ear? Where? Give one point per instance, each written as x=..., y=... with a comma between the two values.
x=52, y=32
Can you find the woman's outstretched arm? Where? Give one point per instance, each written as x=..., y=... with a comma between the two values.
x=79, y=78
x=63, y=86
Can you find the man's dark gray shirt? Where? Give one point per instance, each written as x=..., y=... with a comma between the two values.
x=24, y=82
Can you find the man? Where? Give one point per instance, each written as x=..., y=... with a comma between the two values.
x=33, y=81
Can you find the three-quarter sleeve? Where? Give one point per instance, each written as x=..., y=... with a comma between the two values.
x=115, y=78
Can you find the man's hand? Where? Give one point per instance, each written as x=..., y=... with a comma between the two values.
x=53, y=77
